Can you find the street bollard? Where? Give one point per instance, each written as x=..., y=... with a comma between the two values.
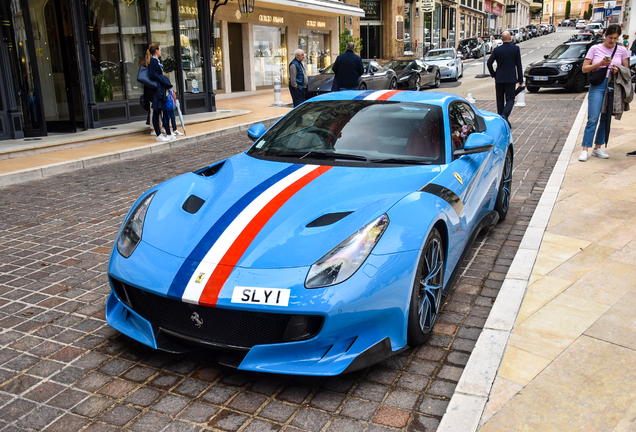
x=521, y=99
x=277, y=97
x=470, y=98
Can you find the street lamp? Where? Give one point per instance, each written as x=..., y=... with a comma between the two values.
x=246, y=6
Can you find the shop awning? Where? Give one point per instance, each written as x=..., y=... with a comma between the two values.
x=536, y=5
x=318, y=7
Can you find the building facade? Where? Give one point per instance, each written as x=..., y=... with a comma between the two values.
x=71, y=65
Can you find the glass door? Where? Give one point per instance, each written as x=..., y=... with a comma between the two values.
x=56, y=58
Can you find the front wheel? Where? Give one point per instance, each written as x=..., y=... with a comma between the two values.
x=393, y=84
x=362, y=86
x=505, y=188
x=532, y=89
x=417, y=85
x=438, y=80
x=426, y=297
x=580, y=81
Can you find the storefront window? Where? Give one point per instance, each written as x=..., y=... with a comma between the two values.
x=105, y=54
x=217, y=58
x=161, y=33
x=408, y=28
x=462, y=27
x=270, y=55
x=451, y=28
x=317, y=47
x=191, y=50
x=135, y=39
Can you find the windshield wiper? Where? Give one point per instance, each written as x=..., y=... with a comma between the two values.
x=332, y=155
x=400, y=161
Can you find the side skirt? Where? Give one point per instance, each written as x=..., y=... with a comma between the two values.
x=490, y=219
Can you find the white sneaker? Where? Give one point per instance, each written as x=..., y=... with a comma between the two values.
x=152, y=133
x=163, y=138
x=177, y=133
x=599, y=153
x=171, y=137
x=583, y=157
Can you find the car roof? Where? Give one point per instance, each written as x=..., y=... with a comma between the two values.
x=432, y=98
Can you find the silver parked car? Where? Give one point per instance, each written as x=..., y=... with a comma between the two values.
x=449, y=63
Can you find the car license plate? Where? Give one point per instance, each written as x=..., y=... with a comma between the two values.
x=540, y=78
x=264, y=296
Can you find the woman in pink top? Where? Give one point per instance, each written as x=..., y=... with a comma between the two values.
x=599, y=57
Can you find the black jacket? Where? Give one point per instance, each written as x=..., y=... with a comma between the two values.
x=508, y=58
x=348, y=69
x=155, y=73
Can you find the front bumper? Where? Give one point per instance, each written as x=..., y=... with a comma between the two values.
x=354, y=327
x=446, y=72
x=562, y=80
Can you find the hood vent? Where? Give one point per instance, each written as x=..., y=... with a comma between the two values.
x=192, y=204
x=210, y=170
x=328, y=219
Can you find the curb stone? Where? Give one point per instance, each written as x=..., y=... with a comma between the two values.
x=468, y=403
x=44, y=171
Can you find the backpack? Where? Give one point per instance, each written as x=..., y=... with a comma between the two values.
x=170, y=100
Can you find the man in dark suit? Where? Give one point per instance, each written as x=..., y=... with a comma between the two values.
x=348, y=69
x=508, y=58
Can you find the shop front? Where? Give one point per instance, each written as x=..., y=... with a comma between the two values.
x=70, y=65
x=494, y=10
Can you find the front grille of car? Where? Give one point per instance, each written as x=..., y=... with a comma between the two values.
x=541, y=71
x=224, y=327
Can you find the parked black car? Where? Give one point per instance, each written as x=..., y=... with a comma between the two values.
x=413, y=74
x=532, y=30
x=470, y=48
x=561, y=68
x=375, y=77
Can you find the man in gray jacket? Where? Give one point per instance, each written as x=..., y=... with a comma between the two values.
x=297, y=78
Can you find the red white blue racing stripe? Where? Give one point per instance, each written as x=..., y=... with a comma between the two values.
x=376, y=95
x=203, y=274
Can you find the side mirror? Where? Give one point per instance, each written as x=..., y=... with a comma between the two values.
x=321, y=70
x=476, y=143
x=460, y=56
x=545, y=56
x=256, y=131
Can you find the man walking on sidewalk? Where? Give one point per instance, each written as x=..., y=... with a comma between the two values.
x=348, y=69
x=297, y=78
x=508, y=58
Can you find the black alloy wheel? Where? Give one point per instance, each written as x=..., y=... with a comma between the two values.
x=532, y=89
x=362, y=86
x=417, y=85
x=505, y=188
x=580, y=81
x=426, y=297
x=393, y=84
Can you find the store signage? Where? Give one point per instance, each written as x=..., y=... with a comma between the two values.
x=371, y=9
x=271, y=19
x=319, y=24
x=511, y=8
x=494, y=8
x=399, y=20
x=428, y=5
x=187, y=10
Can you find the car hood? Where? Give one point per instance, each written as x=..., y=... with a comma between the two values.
x=439, y=62
x=320, y=82
x=554, y=62
x=282, y=238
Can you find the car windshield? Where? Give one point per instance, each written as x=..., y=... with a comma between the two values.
x=357, y=130
x=440, y=55
x=568, y=52
x=328, y=70
x=400, y=65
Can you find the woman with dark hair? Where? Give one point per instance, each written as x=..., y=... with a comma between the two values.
x=155, y=73
x=606, y=55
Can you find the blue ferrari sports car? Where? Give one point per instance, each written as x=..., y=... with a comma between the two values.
x=324, y=248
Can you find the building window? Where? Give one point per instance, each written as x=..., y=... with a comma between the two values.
x=135, y=43
x=560, y=7
x=317, y=47
x=162, y=34
x=270, y=55
x=105, y=52
x=191, y=48
x=217, y=58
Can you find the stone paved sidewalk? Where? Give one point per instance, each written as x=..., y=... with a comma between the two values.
x=62, y=368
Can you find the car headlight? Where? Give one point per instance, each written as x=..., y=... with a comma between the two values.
x=404, y=78
x=451, y=64
x=566, y=67
x=130, y=235
x=346, y=258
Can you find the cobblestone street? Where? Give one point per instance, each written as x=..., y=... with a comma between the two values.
x=62, y=368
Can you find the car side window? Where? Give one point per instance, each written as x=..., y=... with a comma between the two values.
x=462, y=123
x=375, y=67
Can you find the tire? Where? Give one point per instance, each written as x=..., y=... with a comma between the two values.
x=580, y=81
x=428, y=287
x=417, y=85
x=393, y=84
x=505, y=188
x=438, y=80
x=533, y=89
x=362, y=86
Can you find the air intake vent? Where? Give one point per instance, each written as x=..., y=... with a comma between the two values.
x=328, y=219
x=211, y=170
x=192, y=204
